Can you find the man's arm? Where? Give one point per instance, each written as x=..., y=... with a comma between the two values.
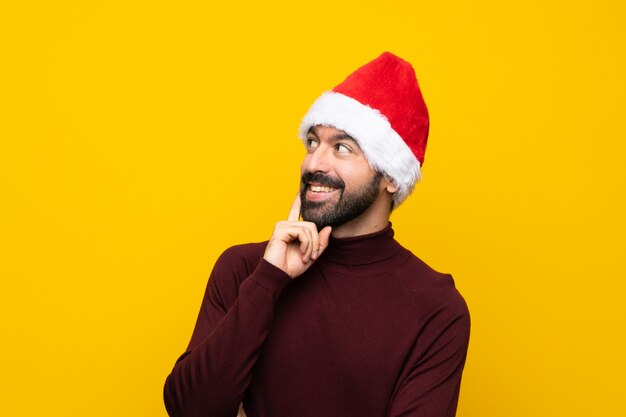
x=210, y=379
x=431, y=387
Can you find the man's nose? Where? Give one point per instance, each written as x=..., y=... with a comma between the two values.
x=318, y=160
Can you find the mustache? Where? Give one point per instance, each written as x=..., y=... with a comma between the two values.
x=322, y=179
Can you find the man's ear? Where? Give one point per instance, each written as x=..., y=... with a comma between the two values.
x=390, y=186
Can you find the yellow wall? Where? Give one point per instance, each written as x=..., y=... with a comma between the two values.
x=137, y=141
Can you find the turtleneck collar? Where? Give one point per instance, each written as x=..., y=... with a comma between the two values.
x=362, y=250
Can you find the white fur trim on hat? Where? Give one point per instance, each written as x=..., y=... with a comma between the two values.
x=383, y=148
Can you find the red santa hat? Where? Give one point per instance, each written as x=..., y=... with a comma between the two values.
x=381, y=106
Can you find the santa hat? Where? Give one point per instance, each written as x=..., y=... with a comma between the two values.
x=381, y=106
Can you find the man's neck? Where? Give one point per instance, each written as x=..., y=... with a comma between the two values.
x=374, y=219
x=351, y=229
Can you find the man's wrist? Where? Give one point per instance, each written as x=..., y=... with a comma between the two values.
x=270, y=277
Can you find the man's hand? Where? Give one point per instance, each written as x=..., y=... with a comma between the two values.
x=296, y=244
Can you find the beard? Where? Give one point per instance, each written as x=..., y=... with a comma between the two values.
x=349, y=206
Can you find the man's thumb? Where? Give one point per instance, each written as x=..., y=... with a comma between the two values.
x=324, y=235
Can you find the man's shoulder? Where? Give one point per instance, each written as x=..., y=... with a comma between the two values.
x=419, y=272
x=242, y=258
x=426, y=284
x=244, y=251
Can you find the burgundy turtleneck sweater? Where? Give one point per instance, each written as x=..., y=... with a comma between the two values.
x=367, y=330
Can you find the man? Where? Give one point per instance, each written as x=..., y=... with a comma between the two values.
x=331, y=316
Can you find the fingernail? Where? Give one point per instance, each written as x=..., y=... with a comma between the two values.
x=316, y=254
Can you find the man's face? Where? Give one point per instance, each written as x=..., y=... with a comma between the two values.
x=337, y=184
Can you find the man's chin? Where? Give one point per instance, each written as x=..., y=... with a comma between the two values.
x=312, y=214
x=318, y=214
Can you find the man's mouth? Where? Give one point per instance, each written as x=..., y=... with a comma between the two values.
x=321, y=188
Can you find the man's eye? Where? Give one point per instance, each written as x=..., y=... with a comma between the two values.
x=341, y=148
x=311, y=143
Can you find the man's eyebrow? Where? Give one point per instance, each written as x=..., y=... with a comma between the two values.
x=342, y=136
x=334, y=138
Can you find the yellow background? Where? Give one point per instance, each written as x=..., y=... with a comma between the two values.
x=140, y=139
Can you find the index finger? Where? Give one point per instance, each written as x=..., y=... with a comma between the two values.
x=294, y=212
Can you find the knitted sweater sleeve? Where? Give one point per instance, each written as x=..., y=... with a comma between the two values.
x=430, y=385
x=211, y=377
